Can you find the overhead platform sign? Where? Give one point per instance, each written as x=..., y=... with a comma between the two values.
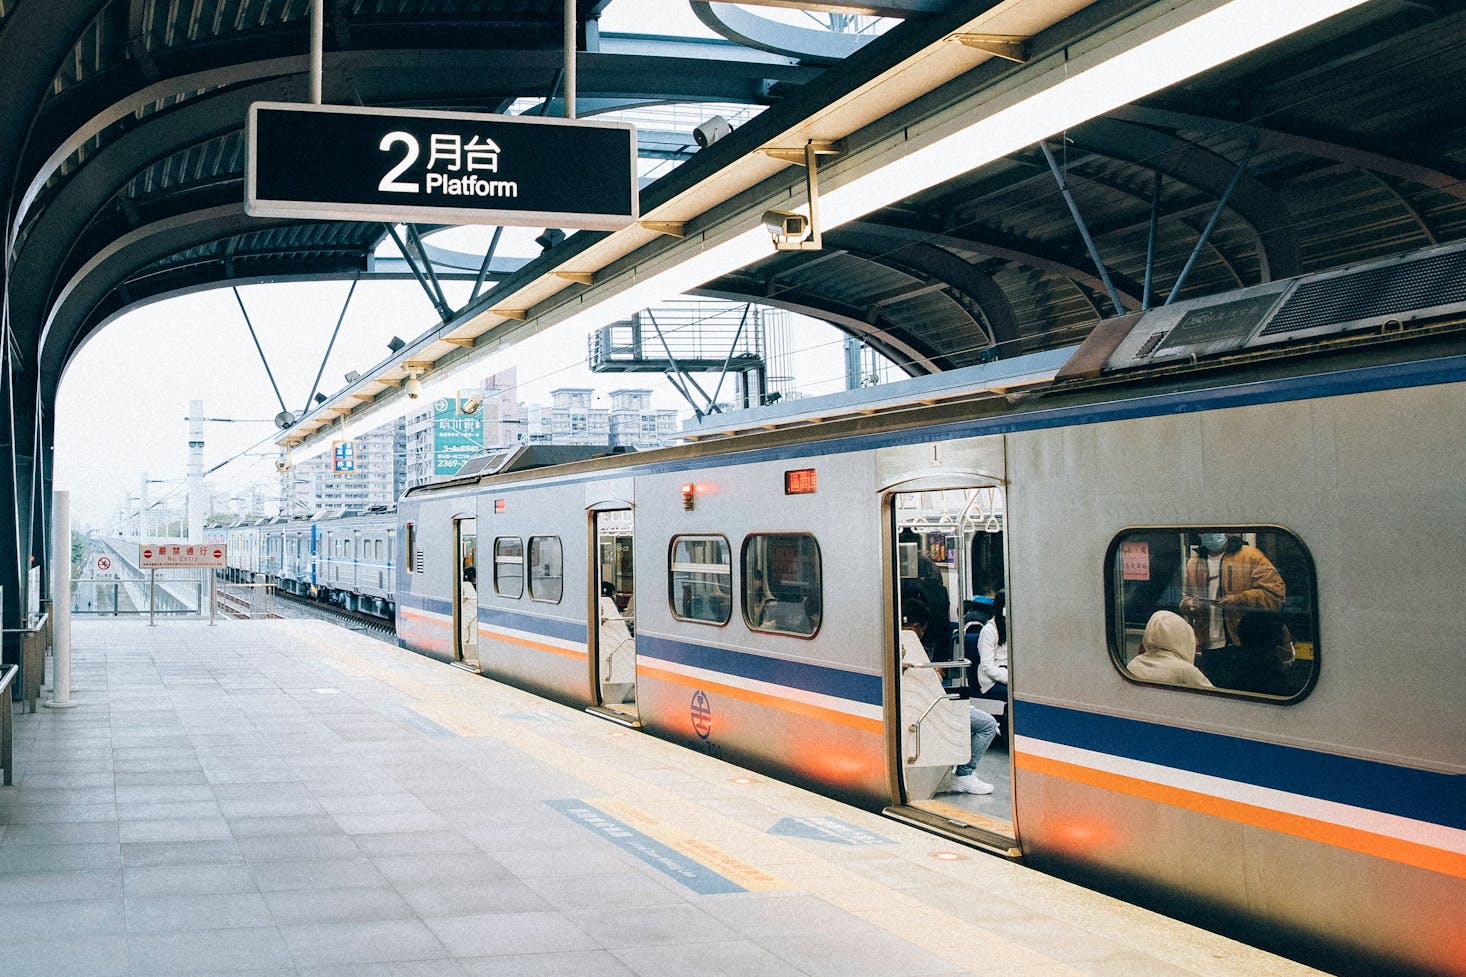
x=342, y=162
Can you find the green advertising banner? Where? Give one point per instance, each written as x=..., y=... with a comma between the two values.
x=457, y=436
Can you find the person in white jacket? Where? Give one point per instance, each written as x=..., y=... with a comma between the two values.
x=992, y=653
x=1168, y=653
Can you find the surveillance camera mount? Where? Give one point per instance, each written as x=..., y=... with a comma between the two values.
x=808, y=156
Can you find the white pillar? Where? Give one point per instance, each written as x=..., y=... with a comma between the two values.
x=570, y=81
x=142, y=511
x=195, y=471
x=318, y=39
x=61, y=601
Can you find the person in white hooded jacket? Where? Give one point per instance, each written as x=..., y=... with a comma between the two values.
x=1168, y=653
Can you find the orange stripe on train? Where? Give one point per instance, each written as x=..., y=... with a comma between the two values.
x=527, y=643
x=1335, y=835
x=818, y=713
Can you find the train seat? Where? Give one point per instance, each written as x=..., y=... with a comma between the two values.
x=935, y=727
x=787, y=615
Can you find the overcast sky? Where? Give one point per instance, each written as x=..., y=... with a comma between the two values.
x=124, y=399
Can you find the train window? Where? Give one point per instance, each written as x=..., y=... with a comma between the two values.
x=1229, y=609
x=546, y=569
x=509, y=566
x=702, y=579
x=410, y=535
x=782, y=589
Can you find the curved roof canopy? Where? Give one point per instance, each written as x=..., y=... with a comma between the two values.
x=121, y=143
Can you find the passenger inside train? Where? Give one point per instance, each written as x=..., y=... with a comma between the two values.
x=1247, y=600
x=989, y=683
x=981, y=726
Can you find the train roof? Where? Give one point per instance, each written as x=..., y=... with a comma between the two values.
x=1404, y=308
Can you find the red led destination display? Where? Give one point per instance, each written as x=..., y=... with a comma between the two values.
x=801, y=481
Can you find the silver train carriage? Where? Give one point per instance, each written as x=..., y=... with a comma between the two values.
x=1280, y=467
x=343, y=558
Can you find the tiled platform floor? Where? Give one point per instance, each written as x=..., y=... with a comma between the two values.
x=286, y=798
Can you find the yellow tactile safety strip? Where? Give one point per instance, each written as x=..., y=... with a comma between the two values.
x=472, y=705
x=733, y=869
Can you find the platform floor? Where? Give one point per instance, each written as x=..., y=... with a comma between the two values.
x=288, y=798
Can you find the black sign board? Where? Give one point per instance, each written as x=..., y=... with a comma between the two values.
x=338, y=162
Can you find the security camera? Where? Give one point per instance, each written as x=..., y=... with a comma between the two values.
x=785, y=225
x=413, y=388
x=469, y=405
x=282, y=466
x=711, y=131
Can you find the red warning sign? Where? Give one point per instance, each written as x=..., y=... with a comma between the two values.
x=179, y=555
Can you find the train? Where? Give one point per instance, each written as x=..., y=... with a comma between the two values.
x=339, y=557
x=743, y=594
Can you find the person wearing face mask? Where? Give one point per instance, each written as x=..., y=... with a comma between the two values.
x=1225, y=579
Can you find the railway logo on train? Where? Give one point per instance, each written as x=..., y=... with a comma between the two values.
x=702, y=715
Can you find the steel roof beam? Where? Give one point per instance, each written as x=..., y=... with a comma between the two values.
x=907, y=357
x=751, y=30
x=958, y=274
x=1208, y=172
x=990, y=244
x=1435, y=176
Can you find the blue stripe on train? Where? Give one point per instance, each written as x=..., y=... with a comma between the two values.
x=549, y=627
x=1423, y=795
x=421, y=603
x=807, y=677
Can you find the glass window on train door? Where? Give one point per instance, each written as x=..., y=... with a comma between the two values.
x=616, y=611
x=466, y=535
x=947, y=574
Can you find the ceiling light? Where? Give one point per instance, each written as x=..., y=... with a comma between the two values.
x=1094, y=81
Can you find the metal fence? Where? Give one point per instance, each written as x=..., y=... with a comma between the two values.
x=182, y=594
x=247, y=600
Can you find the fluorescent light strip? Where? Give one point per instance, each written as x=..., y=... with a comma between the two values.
x=1181, y=52
x=1194, y=45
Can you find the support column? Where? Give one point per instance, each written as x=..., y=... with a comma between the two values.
x=61, y=602
x=17, y=473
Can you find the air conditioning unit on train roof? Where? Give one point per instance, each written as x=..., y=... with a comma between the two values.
x=1381, y=295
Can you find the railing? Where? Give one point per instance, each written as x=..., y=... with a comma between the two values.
x=247, y=600
x=7, y=739
x=34, y=639
x=175, y=596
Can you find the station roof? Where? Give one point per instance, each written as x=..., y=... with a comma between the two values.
x=121, y=140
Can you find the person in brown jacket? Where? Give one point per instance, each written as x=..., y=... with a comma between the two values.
x=1225, y=579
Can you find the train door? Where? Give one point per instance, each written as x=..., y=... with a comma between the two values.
x=946, y=573
x=615, y=603
x=465, y=592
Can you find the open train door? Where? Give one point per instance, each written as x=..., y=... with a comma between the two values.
x=465, y=592
x=613, y=631
x=945, y=564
